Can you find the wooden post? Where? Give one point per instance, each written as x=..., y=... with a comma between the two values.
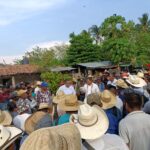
x=13, y=81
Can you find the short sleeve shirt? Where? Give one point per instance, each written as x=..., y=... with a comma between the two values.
x=135, y=130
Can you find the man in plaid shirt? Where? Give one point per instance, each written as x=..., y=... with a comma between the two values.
x=44, y=96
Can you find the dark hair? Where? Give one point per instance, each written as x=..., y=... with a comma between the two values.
x=11, y=106
x=133, y=100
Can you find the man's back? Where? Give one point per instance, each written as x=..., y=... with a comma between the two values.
x=135, y=130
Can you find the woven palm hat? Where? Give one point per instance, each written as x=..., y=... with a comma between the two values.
x=121, y=83
x=108, y=99
x=140, y=74
x=94, y=98
x=21, y=92
x=60, y=96
x=31, y=122
x=44, y=106
x=92, y=122
x=63, y=137
x=135, y=81
x=5, y=118
x=70, y=103
x=8, y=135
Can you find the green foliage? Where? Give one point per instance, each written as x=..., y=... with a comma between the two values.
x=45, y=57
x=82, y=49
x=54, y=79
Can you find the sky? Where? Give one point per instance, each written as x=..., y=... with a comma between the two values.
x=26, y=23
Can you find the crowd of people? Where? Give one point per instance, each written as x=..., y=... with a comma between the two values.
x=94, y=113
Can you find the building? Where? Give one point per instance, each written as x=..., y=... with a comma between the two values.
x=13, y=74
x=94, y=67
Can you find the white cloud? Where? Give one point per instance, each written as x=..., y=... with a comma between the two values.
x=9, y=59
x=48, y=44
x=14, y=10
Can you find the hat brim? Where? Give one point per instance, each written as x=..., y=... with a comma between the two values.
x=64, y=107
x=141, y=84
x=97, y=130
x=7, y=119
x=110, y=104
x=15, y=133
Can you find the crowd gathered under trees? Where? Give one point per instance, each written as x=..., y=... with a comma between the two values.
x=93, y=113
x=109, y=111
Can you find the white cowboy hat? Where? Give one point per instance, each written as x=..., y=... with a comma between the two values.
x=8, y=136
x=5, y=118
x=70, y=103
x=63, y=137
x=121, y=83
x=19, y=121
x=60, y=96
x=92, y=122
x=108, y=99
x=136, y=81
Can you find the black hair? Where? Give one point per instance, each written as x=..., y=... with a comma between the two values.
x=11, y=106
x=134, y=100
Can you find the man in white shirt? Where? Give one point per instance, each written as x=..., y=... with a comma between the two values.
x=67, y=88
x=90, y=88
x=135, y=127
x=111, y=80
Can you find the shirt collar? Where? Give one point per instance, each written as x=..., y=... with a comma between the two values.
x=135, y=112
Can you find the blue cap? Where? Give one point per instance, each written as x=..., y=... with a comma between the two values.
x=44, y=84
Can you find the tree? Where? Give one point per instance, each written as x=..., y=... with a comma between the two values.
x=95, y=32
x=111, y=27
x=54, y=79
x=45, y=57
x=144, y=24
x=119, y=50
x=82, y=49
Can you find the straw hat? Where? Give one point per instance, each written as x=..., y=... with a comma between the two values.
x=31, y=122
x=21, y=92
x=70, y=103
x=19, y=121
x=92, y=122
x=121, y=83
x=8, y=136
x=5, y=118
x=94, y=98
x=4, y=134
x=44, y=106
x=60, y=96
x=108, y=99
x=136, y=81
x=63, y=137
x=140, y=74
x=38, y=83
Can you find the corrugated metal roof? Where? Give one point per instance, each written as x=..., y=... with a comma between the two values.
x=61, y=69
x=101, y=64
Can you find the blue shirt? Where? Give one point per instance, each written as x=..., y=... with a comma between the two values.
x=64, y=119
x=114, y=116
x=101, y=87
